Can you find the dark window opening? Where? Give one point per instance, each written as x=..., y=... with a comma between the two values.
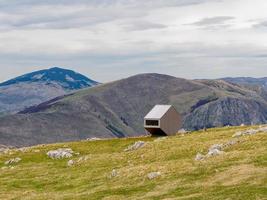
x=152, y=122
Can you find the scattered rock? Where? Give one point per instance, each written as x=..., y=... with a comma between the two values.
x=4, y=150
x=12, y=161
x=230, y=143
x=183, y=131
x=246, y=132
x=60, y=153
x=135, y=146
x=251, y=132
x=114, y=173
x=237, y=134
x=153, y=175
x=82, y=159
x=70, y=163
x=216, y=146
x=263, y=129
x=214, y=152
x=93, y=139
x=199, y=156
x=24, y=149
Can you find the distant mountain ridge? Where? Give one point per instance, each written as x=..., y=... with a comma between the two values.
x=248, y=81
x=39, y=86
x=117, y=109
x=68, y=79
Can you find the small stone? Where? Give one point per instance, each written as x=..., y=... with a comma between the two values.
x=93, y=139
x=70, y=163
x=114, y=173
x=230, y=143
x=135, y=146
x=82, y=159
x=153, y=175
x=199, y=157
x=4, y=150
x=12, y=161
x=237, y=134
x=263, y=129
x=183, y=131
x=216, y=146
x=214, y=152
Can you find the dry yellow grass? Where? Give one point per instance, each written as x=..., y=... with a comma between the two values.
x=240, y=173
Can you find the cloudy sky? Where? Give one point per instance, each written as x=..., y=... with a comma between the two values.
x=112, y=39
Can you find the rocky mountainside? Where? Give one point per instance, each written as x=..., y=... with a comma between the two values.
x=248, y=81
x=117, y=109
x=259, y=85
x=37, y=87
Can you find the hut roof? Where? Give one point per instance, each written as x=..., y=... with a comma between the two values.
x=158, y=111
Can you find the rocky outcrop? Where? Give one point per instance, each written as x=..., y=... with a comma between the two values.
x=227, y=111
x=60, y=153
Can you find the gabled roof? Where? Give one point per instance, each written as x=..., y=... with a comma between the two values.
x=158, y=111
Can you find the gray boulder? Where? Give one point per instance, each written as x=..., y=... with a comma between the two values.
x=153, y=175
x=60, y=153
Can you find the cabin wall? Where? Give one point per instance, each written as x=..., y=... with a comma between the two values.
x=171, y=122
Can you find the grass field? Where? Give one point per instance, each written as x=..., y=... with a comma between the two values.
x=240, y=173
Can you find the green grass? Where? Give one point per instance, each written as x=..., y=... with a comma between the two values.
x=240, y=173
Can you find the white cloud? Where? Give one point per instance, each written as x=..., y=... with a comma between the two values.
x=124, y=37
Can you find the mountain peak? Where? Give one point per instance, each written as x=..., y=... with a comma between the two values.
x=66, y=78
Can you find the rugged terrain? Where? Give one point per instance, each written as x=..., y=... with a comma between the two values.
x=117, y=109
x=36, y=87
x=160, y=169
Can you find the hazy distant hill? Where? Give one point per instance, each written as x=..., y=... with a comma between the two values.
x=117, y=109
x=259, y=85
x=248, y=81
x=37, y=87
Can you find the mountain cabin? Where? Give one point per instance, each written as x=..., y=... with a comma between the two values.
x=163, y=120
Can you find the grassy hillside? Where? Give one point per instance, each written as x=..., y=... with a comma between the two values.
x=239, y=173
